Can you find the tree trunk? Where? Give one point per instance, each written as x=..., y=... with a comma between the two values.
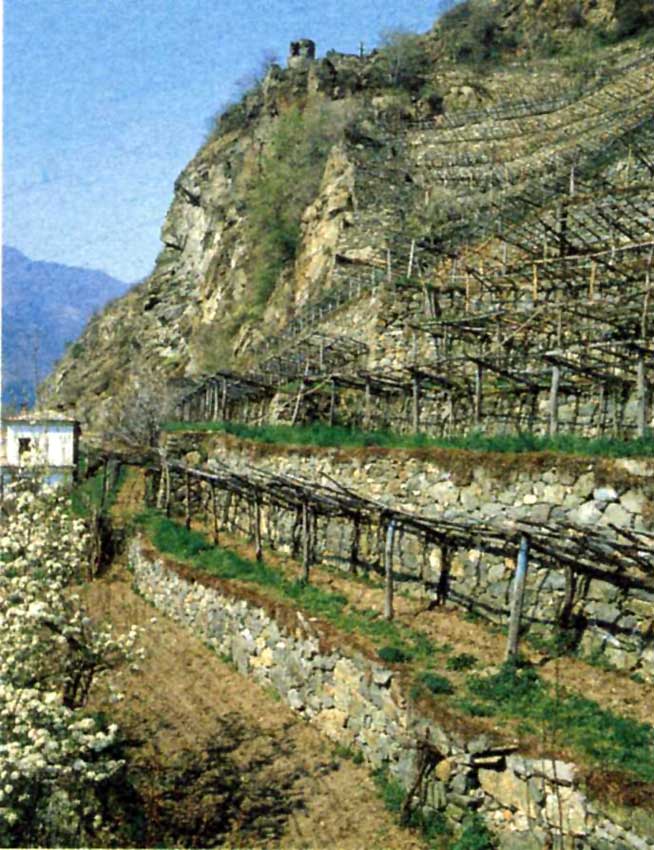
x=416, y=405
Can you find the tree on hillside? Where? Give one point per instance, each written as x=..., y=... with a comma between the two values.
x=144, y=404
x=405, y=58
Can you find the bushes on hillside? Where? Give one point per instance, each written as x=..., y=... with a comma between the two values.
x=405, y=60
x=288, y=179
x=633, y=16
x=473, y=32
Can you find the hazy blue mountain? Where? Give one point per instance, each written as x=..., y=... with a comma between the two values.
x=45, y=306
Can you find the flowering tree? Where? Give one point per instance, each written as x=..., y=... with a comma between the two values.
x=54, y=758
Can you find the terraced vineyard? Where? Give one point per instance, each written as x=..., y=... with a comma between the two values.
x=526, y=305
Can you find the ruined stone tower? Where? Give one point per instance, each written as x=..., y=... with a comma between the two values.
x=300, y=52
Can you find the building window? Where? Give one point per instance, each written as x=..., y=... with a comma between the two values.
x=24, y=445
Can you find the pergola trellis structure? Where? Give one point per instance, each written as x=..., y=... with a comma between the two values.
x=214, y=396
x=579, y=269
x=527, y=107
x=618, y=556
x=477, y=217
x=315, y=353
x=226, y=393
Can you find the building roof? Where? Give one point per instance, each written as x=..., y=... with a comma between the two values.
x=40, y=417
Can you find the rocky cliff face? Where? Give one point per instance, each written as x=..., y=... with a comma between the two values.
x=220, y=287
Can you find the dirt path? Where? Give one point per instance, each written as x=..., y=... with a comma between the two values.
x=185, y=695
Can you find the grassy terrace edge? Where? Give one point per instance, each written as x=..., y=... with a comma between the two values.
x=515, y=691
x=323, y=436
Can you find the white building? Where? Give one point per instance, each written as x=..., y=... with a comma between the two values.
x=43, y=440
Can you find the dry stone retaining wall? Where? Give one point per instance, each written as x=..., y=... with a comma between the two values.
x=607, y=620
x=358, y=703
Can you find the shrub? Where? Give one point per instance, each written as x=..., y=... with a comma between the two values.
x=575, y=16
x=464, y=661
x=633, y=16
x=394, y=655
x=473, y=33
x=288, y=180
x=405, y=60
x=433, y=826
x=475, y=836
x=436, y=684
x=516, y=681
x=390, y=789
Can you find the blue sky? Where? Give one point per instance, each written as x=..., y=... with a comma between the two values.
x=105, y=101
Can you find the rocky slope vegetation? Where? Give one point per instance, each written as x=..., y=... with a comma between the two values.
x=326, y=171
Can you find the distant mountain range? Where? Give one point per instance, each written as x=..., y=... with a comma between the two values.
x=45, y=307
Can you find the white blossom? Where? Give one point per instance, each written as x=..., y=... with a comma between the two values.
x=51, y=653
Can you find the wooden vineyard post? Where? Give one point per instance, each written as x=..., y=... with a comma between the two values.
x=187, y=499
x=479, y=377
x=105, y=471
x=223, y=401
x=214, y=512
x=642, y=387
x=443, y=586
x=332, y=402
x=165, y=474
x=216, y=402
x=591, y=282
x=641, y=384
x=517, y=598
x=305, y=543
x=554, y=400
x=299, y=397
x=534, y=284
x=366, y=414
x=388, y=571
x=554, y=386
x=412, y=250
x=416, y=404
x=354, y=548
x=257, y=530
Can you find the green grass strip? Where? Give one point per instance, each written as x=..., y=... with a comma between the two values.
x=88, y=493
x=325, y=436
x=194, y=548
x=607, y=738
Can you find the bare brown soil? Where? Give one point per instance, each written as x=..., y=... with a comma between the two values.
x=184, y=693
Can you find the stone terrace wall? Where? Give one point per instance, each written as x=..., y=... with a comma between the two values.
x=358, y=703
x=606, y=620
